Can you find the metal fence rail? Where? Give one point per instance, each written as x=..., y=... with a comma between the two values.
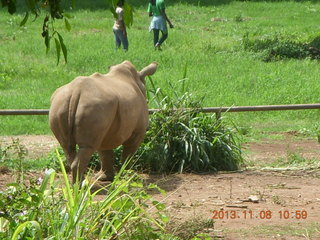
x=217, y=110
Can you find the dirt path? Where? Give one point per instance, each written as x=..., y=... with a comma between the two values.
x=252, y=204
x=248, y=204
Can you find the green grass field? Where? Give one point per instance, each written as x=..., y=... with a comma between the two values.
x=207, y=41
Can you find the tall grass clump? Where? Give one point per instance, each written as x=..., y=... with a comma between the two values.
x=182, y=139
x=44, y=209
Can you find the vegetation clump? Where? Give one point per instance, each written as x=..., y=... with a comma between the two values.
x=277, y=47
x=182, y=139
x=126, y=212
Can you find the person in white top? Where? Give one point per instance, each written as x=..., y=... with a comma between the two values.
x=119, y=27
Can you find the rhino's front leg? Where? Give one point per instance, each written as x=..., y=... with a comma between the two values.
x=106, y=172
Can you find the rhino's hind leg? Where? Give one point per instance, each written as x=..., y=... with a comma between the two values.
x=106, y=172
x=70, y=153
x=80, y=163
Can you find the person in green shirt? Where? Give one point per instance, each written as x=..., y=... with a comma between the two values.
x=156, y=10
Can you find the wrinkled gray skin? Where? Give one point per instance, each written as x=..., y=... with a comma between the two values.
x=99, y=113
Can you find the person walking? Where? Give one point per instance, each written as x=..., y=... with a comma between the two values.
x=156, y=10
x=119, y=27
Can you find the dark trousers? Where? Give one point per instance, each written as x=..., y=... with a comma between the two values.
x=156, y=40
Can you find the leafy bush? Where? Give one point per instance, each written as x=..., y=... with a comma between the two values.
x=279, y=46
x=124, y=213
x=180, y=138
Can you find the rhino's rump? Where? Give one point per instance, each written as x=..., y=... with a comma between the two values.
x=107, y=115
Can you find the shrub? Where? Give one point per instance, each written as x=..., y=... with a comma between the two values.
x=181, y=138
x=279, y=46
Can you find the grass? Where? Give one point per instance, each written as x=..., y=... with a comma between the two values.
x=126, y=211
x=294, y=159
x=218, y=66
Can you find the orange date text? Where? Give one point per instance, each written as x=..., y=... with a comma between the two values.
x=262, y=214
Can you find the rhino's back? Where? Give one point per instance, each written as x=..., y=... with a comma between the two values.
x=108, y=111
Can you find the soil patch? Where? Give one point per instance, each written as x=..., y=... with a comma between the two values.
x=37, y=145
x=250, y=204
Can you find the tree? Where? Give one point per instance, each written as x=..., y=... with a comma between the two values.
x=54, y=11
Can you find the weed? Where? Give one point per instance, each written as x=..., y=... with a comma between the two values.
x=53, y=160
x=277, y=200
x=124, y=213
x=239, y=18
x=6, y=76
x=294, y=158
x=4, y=80
x=179, y=204
x=12, y=156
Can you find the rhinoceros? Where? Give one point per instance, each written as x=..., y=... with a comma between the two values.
x=99, y=113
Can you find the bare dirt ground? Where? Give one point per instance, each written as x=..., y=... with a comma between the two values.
x=249, y=204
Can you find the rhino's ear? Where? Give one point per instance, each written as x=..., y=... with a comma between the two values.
x=148, y=70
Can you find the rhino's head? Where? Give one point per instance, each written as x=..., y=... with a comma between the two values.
x=129, y=69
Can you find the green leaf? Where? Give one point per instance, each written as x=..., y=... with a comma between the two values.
x=47, y=41
x=25, y=19
x=113, y=11
x=73, y=3
x=64, y=48
x=68, y=188
x=67, y=24
x=32, y=5
x=154, y=186
x=164, y=218
x=160, y=206
x=22, y=226
x=16, y=185
x=128, y=15
x=136, y=185
x=2, y=204
x=11, y=4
